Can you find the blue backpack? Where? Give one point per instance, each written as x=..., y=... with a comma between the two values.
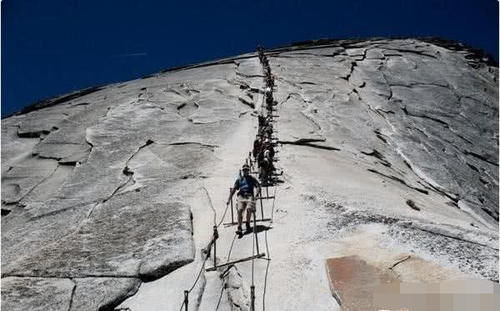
x=245, y=185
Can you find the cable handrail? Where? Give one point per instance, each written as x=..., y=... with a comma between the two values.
x=267, y=179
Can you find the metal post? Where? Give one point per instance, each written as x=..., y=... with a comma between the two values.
x=216, y=235
x=186, y=300
x=232, y=212
x=261, y=206
x=252, y=298
x=255, y=231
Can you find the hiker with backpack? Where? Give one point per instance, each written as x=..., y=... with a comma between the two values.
x=245, y=185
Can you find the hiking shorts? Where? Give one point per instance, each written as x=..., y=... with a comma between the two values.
x=244, y=203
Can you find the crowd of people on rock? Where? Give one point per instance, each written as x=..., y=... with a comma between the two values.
x=247, y=186
x=262, y=155
x=263, y=147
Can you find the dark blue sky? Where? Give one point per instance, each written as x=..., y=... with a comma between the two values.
x=51, y=47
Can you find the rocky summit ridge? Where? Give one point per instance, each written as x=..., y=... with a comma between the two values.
x=388, y=149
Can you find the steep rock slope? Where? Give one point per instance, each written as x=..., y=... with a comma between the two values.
x=94, y=189
x=388, y=147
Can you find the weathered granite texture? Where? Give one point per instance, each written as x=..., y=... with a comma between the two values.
x=401, y=100
x=404, y=134
x=94, y=188
x=94, y=184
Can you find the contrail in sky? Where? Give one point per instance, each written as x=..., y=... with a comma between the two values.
x=131, y=54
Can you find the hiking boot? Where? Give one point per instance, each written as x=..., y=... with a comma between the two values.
x=239, y=231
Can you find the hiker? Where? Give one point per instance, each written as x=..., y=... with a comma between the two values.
x=262, y=120
x=269, y=91
x=260, y=52
x=257, y=144
x=260, y=156
x=266, y=168
x=269, y=80
x=269, y=99
x=246, y=198
x=268, y=146
x=266, y=64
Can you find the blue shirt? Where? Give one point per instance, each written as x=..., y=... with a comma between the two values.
x=245, y=185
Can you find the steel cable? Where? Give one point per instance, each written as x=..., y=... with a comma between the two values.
x=214, y=210
x=253, y=259
x=265, y=277
x=206, y=257
x=267, y=70
x=227, y=269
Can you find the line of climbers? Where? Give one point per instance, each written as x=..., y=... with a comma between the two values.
x=263, y=155
x=249, y=189
x=263, y=146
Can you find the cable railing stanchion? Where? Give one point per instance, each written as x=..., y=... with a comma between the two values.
x=252, y=298
x=252, y=287
x=255, y=231
x=258, y=160
x=186, y=300
x=261, y=207
x=232, y=208
x=216, y=235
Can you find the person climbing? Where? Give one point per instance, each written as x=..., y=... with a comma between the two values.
x=268, y=146
x=246, y=198
x=266, y=168
x=268, y=132
x=269, y=91
x=269, y=99
x=269, y=80
x=261, y=119
x=256, y=148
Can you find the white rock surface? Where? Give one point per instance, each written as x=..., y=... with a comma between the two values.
x=106, y=189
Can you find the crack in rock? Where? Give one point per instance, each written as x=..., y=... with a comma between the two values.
x=65, y=276
x=186, y=109
x=246, y=102
x=34, y=187
x=348, y=76
x=72, y=294
x=480, y=157
x=445, y=124
x=308, y=143
x=399, y=180
x=414, y=52
x=399, y=261
x=248, y=76
x=435, y=232
x=312, y=120
x=181, y=143
x=60, y=99
x=380, y=136
x=378, y=155
x=127, y=172
x=412, y=204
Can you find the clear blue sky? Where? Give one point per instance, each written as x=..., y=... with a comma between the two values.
x=51, y=47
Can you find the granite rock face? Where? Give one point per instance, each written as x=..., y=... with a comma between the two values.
x=399, y=102
x=94, y=188
x=96, y=184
